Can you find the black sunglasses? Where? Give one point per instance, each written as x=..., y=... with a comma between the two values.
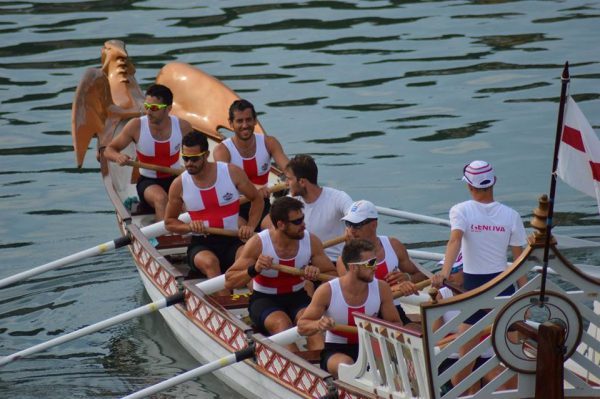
x=297, y=221
x=358, y=225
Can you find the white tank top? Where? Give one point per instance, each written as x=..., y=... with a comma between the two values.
x=218, y=205
x=163, y=153
x=342, y=313
x=273, y=282
x=257, y=167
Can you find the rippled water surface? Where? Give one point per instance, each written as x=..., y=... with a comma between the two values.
x=391, y=97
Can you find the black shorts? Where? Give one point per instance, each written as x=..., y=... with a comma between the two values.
x=224, y=249
x=245, y=211
x=331, y=349
x=472, y=281
x=262, y=305
x=144, y=182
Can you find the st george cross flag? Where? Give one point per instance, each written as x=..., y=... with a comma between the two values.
x=579, y=153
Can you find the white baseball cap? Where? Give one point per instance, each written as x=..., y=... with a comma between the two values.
x=361, y=210
x=479, y=174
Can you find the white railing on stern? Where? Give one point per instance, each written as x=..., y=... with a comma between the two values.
x=570, y=295
x=391, y=361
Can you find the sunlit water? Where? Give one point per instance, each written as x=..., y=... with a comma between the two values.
x=391, y=97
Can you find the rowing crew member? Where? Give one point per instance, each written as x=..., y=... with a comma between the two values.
x=335, y=301
x=157, y=137
x=250, y=151
x=323, y=206
x=210, y=192
x=394, y=266
x=483, y=230
x=279, y=299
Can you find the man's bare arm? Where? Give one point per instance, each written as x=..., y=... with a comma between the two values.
x=312, y=320
x=276, y=150
x=237, y=275
x=129, y=134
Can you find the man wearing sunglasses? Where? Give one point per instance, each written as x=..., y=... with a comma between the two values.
x=334, y=302
x=279, y=299
x=210, y=192
x=250, y=151
x=394, y=266
x=157, y=138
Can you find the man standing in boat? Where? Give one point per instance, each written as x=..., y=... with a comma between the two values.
x=484, y=230
x=335, y=301
x=279, y=299
x=323, y=206
x=250, y=151
x=157, y=137
x=394, y=266
x=210, y=192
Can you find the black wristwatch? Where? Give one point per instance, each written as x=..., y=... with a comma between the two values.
x=252, y=271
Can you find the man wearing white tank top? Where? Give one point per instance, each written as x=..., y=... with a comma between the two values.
x=210, y=192
x=157, y=137
x=250, y=151
x=336, y=301
x=278, y=299
x=394, y=266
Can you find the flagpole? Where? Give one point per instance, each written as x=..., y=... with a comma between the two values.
x=565, y=78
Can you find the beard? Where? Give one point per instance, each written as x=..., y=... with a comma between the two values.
x=298, y=235
x=367, y=279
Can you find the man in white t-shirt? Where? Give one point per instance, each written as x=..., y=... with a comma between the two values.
x=324, y=207
x=483, y=230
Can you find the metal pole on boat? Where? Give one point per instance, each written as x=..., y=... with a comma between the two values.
x=283, y=338
x=559, y=128
x=101, y=325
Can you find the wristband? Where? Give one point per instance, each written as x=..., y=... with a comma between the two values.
x=408, y=277
x=252, y=271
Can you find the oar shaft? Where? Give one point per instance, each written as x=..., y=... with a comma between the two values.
x=412, y=216
x=181, y=378
x=334, y=241
x=283, y=338
x=299, y=272
x=156, y=168
x=97, y=250
x=142, y=310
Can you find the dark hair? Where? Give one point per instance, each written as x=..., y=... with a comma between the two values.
x=162, y=92
x=195, y=138
x=240, y=105
x=353, y=250
x=281, y=208
x=303, y=166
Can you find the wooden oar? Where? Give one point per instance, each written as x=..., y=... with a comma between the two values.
x=156, y=168
x=283, y=338
x=142, y=310
x=151, y=231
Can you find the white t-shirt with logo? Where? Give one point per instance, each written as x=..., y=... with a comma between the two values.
x=323, y=217
x=489, y=229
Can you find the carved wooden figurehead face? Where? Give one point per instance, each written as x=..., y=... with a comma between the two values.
x=120, y=72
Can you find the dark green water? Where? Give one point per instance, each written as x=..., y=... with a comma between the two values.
x=391, y=97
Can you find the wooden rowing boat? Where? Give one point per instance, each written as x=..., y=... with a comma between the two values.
x=394, y=362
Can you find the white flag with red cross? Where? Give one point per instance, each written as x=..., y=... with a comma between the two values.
x=579, y=153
